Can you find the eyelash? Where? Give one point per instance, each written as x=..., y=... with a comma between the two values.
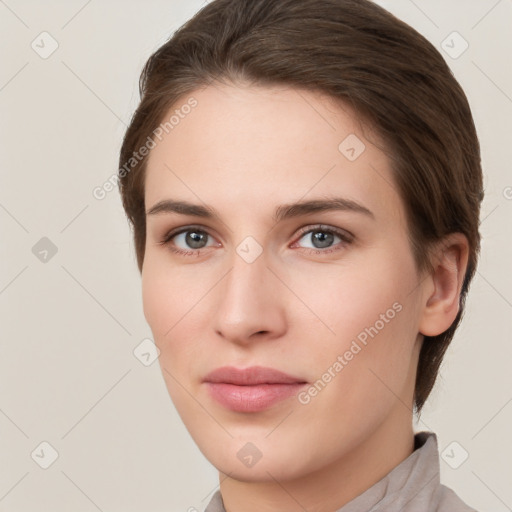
x=345, y=236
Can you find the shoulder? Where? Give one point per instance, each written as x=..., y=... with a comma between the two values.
x=449, y=501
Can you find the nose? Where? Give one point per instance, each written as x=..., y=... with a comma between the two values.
x=250, y=303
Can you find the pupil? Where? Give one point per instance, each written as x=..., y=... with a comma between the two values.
x=194, y=238
x=324, y=239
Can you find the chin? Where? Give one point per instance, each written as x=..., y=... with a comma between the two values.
x=259, y=460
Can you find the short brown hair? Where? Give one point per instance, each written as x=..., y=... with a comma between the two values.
x=354, y=51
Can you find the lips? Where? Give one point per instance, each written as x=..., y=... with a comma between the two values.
x=250, y=376
x=251, y=389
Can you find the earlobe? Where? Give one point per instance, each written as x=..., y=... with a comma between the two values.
x=441, y=302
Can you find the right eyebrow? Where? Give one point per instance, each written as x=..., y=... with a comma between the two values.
x=182, y=208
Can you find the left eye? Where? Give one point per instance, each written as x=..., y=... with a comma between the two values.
x=322, y=238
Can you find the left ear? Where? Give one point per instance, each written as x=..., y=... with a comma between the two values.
x=443, y=285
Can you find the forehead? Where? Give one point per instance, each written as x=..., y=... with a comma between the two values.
x=268, y=144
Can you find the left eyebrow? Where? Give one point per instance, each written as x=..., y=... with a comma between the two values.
x=288, y=211
x=282, y=212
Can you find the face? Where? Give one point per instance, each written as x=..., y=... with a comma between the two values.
x=328, y=295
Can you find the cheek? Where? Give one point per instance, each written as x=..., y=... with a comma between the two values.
x=157, y=297
x=172, y=301
x=166, y=293
x=348, y=299
x=365, y=313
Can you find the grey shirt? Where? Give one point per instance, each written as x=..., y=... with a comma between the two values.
x=412, y=486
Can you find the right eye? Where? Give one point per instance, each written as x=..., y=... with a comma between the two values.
x=186, y=241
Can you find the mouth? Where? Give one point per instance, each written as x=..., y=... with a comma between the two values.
x=251, y=389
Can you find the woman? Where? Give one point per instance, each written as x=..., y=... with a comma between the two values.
x=304, y=183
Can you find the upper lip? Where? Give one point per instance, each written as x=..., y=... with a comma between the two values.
x=250, y=376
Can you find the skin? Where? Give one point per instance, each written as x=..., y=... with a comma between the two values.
x=245, y=150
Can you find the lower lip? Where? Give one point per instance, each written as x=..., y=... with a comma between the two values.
x=251, y=398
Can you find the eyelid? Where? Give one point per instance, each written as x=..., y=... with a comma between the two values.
x=180, y=229
x=342, y=233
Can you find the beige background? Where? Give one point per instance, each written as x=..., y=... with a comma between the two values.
x=69, y=325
